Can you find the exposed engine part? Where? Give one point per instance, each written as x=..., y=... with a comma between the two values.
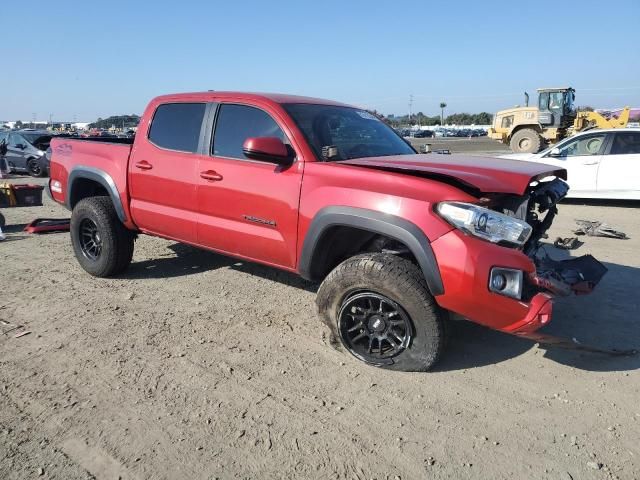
x=537, y=208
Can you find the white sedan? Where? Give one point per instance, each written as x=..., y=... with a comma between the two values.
x=599, y=163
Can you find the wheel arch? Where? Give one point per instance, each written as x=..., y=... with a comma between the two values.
x=86, y=182
x=317, y=240
x=530, y=126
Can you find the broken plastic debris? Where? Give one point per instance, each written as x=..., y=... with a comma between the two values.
x=598, y=229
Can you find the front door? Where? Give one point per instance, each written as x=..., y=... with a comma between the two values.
x=248, y=208
x=162, y=172
x=17, y=151
x=581, y=157
x=619, y=172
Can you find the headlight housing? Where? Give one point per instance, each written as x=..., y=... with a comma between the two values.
x=486, y=224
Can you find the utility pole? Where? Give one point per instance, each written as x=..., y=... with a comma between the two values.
x=410, y=105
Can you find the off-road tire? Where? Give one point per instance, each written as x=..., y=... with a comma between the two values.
x=117, y=242
x=526, y=140
x=400, y=281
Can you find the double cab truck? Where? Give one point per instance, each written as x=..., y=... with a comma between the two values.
x=399, y=241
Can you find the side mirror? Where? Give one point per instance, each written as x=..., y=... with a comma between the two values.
x=267, y=149
x=21, y=146
x=555, y=152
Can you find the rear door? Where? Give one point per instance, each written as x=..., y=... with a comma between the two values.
x=248, y=207
x=162, y=172
x=619, y=172
x=580, y=156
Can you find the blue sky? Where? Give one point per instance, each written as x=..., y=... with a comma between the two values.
x=83, y=60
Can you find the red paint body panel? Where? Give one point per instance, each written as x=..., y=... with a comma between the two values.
x=262, y=212
x=487, y=174
x=465, y=263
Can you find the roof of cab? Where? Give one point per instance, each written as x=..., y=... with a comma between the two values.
x=213, y=95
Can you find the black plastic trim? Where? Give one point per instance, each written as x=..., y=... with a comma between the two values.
x=376, y=222
x=100, y=177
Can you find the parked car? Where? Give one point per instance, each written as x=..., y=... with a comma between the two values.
x=399, y=240
x=26, y=150
x=599, y=163
x=423, y=134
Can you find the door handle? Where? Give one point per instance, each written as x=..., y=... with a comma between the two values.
x=143, y=165
x=211, y=175
x=592, y=162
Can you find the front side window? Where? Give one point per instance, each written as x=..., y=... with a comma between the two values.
x=342, y=133
x=176, y=126
x=586, y=145
x=555, y=101
x=15, y=140
x=236, y=123
x=626, y=143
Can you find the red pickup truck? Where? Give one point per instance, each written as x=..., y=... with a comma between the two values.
x=399, y=240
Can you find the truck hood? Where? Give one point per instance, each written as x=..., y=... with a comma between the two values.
x=482, y=174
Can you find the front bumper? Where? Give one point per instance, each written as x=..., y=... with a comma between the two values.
x=465, y=264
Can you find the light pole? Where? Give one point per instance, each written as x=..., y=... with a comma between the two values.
x=442, y=107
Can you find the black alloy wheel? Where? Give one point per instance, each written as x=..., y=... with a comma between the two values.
x=34, y=168
x=373, y=327
x=90, y=241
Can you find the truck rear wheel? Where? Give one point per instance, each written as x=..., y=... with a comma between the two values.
x=379, y=307
x=101, y=243
x=526, y=140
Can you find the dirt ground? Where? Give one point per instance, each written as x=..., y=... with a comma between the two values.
x=197, y=366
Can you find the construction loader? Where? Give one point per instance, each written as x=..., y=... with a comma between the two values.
x=530, y=129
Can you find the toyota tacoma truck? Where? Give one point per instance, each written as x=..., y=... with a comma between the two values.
x=399, y=241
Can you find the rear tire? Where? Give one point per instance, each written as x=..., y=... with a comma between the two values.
x=101, y=243
x=34, y=168
x=384, y=297
x=526, y=140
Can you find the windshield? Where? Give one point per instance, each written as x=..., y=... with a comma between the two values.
x=342, y=133
x=37, y=138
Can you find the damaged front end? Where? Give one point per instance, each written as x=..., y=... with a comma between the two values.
x=538, y=208
x=552, y=277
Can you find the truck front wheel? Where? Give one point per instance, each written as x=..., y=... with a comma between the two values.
x=101, y=243
x=379, y=307
x=526, y=140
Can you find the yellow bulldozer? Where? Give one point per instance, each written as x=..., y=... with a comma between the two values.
x=529, y=129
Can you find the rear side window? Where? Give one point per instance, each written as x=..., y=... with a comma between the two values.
x=176, y=126
x=625, y=143
x=236, y=123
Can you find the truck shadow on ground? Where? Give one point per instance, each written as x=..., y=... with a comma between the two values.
x=607, y=318
x=190, y=260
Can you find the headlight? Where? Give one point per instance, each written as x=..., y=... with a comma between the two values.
x=484, y=223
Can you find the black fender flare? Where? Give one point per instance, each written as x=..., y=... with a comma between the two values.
x=98, y=176
x=376, y=222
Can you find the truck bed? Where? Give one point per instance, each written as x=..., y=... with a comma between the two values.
x=106, y=157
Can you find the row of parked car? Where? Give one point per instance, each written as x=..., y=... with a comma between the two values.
x=26, y=148
x=442, y=132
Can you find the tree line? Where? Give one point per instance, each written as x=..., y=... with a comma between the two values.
x=482, y=118
x=118, y=121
